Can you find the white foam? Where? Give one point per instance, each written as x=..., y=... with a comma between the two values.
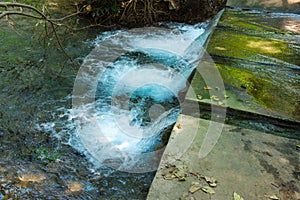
x=114, y=129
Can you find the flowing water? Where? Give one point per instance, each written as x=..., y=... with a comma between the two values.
x=50, y=149
x=126, y=93
x=79, y=134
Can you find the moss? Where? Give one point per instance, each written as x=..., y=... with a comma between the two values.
x=246, y=35
x=46, y=155
x=264, y=91
x=230, y=44
x=250, y=22
x=253, y=55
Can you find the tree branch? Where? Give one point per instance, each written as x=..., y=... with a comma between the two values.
x=66, y=17
x=41, y=17
x=9, y=4
x=7, y=13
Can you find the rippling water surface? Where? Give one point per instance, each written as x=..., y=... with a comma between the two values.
x=42, y=134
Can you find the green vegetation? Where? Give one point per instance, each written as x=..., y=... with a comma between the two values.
x=256, y=57
x=46, y=155
x=100, y=13
x=246, y=21
x=250, y=47
x=265, y=92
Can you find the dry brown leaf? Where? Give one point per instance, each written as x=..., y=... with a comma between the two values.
x=207, y=88
x=31, y=177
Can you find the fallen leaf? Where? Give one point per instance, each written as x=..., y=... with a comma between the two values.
x=207, y=88
x=208, y=190
x=195, y=187
x=298, y=145
x=220, y=103
x=88, y=8
x=199, y=97
x=212, y=184
x=181, y=172
x=169, y=176
x=181, y=178
x=179, y=126
x=178, y=172
x=273, y=197
x=75, y=187
x=27, y=177
x=210, y=179
x=167, y=173
x=237, y=197
x=215, y=98
x=226, y=97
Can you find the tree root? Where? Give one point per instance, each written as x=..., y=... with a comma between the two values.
x=137, y=8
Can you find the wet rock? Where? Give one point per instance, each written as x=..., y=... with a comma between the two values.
x=249, y=52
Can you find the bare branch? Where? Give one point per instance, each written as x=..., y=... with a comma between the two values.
x=7, y=13
x=66, y=17
x=42, y=17
x=9, y=4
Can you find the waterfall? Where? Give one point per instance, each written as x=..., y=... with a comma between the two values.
x=126, y=91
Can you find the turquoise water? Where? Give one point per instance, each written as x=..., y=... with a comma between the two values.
x=38, y=136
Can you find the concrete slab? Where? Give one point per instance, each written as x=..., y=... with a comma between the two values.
x=257, y=55
x=253, y=164
x=206, y=159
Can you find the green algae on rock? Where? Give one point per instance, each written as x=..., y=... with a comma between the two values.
x=260, y=58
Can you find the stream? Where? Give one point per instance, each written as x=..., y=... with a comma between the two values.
x=96, y=132
x=104, y=135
